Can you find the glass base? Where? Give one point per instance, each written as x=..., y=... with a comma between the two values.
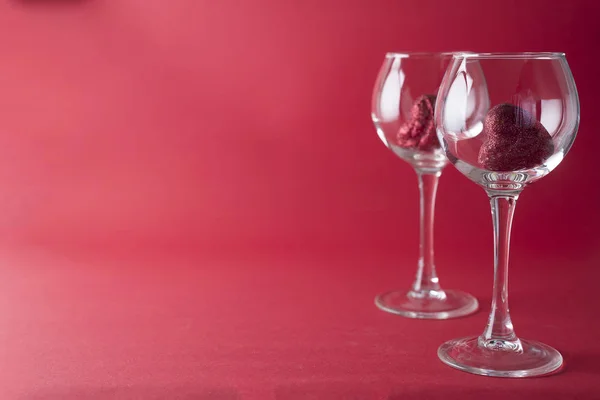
x=509, y=360
x=442, y=304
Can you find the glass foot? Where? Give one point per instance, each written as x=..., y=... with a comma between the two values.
x=442, y=304
x=510, y=360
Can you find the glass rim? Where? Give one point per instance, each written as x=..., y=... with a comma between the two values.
x=409, y=54
x=530, y=55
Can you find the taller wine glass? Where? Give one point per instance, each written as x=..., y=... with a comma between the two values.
x=505, y=121
x=402, y=111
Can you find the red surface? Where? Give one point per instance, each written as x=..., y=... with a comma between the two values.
x=195, y=203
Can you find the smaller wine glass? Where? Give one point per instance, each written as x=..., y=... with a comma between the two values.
x=505, y=120
x=402, y=111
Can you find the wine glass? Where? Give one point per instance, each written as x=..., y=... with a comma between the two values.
x=402, y=111
x=505, y=121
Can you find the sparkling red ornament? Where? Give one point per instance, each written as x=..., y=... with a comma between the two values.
x=419, y=132
x=513, y=140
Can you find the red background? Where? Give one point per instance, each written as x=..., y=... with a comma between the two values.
x=194, y=199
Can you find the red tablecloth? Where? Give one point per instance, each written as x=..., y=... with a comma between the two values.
x=151, y=323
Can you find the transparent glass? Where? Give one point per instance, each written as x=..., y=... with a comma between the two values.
x=402, y=111
x=505, y=121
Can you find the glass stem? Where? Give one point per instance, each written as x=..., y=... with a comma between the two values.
x=426, y=280
x=499, y=333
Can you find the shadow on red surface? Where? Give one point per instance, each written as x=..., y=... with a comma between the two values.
x=582, y=363
x=492, y=393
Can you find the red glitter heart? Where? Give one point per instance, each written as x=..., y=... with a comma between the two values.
x=419, y=132
x=513, y=140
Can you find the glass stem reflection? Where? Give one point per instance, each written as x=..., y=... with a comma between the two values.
x=426, y=282
x=499, y=333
